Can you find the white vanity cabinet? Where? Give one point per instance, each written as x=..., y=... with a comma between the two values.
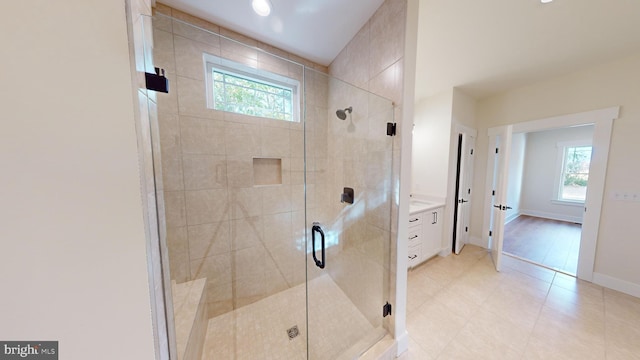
x=425, y=234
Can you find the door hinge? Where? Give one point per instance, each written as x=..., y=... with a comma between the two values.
x=493, y=193
x=157, y=82
x=471, y=151
x=469, y=191
x=490, y=233
x=496, y=150
x=466, y=229
x=386, y=309
x=391, y=129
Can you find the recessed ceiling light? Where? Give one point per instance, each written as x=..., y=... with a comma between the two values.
x=545, y=1
x=261, y=7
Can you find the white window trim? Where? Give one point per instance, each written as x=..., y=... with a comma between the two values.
x=234, y=68
x=557, y=189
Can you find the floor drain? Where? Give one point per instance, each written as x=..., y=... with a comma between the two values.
x=293, y=332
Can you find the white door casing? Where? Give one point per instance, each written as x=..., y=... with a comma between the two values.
x=602, y=120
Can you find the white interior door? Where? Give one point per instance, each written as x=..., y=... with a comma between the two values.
x=464, y=191
x=500, y=151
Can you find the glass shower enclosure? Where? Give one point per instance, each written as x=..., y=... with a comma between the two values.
x=277, y=223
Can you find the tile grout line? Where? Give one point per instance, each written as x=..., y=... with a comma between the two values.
x=538, y=317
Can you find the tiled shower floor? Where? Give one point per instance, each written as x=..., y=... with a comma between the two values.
x=259, y=330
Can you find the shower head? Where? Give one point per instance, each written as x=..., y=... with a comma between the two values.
x=342, y=114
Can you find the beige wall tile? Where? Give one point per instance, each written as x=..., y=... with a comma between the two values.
x=388, y=83
x=168, y=102
x=189, y=57
x=246, y=233
x=277, y=230
x=386, y=31
x=178, y=253
x=209, y=240
x=276, y=199
x=161, y=18
x=217, y=270
x=204, y=172
x=191, y=32
x=207, y=206
x=192, y=99
x=245, y=202
x=275, y=142
x=242, y=139
x=163, y=52
x=240, y=172
x=170, y=152
x=189, y=20
x=274, y=64
x=239, y=53
x=175, y=211
x=202, y=136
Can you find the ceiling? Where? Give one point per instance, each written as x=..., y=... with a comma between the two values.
x=480, y=46
x=488, y=46
x=316, y=30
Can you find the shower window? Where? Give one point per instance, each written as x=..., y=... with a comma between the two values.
x=235, y=87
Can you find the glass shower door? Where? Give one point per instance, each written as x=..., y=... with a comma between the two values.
x=348, y=172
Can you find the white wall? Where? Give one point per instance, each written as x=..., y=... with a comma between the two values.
x=539, y=183
x=464, y=109
x=516, y=170
x=612, y=84
x=73, y=260
x=431, y=137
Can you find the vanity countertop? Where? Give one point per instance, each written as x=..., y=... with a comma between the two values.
x=416, y=206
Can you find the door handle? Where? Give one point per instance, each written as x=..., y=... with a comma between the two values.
x=462, y=201
x=498, y=206
x=316, y=228
x=435, y=217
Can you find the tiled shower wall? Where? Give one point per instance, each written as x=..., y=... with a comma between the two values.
x=247, y=240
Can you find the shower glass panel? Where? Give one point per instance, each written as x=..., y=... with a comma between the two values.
x=347, y=147
x=240, y=193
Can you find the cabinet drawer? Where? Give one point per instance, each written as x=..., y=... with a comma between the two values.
x=415, y=237
x=415, y=219
x=415, y=255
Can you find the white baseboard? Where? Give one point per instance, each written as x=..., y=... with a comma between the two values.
x=477, y=241
x=616, y=284
x=552, y=216
x=444, y=252
x=403, y=343
x=511, y=217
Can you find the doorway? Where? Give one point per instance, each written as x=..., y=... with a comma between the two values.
x=498, y=178
x=464, y=178
x=548, y=174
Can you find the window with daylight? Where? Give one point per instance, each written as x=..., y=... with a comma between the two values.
x=574, y=173
x=240, y=89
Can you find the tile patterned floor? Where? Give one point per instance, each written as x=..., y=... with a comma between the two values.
x=459, y=307
x=259, y=330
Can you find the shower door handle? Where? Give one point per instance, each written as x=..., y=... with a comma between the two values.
x=316, y=228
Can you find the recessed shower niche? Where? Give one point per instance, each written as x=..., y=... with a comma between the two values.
x=267, y=171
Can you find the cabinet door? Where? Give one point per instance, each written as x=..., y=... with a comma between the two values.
x=432, y=233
